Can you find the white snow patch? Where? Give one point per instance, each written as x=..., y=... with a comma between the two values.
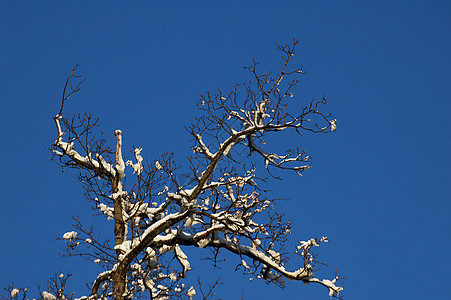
x=333, y=125
x=138, y=167
x=14, y=293
x=243, y=262
x=48, y=296
x=330, y=284
x=204, y=242
x=191, y=292
x=190, y=220
x=58, y=153
x=70, y=235
x=125, y=246
x=106, y=210
x=165, y=248
x=183, y=259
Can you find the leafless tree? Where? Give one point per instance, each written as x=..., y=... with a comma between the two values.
x=219, y=205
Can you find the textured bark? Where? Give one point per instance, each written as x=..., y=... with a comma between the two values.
x=119, y=276
x=119, y=282
x=119, y=225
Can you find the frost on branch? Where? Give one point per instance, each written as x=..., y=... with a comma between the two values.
x=219, y=205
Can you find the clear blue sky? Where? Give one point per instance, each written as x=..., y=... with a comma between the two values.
x=379, y=186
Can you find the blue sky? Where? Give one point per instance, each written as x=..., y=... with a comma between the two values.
x=379, y=186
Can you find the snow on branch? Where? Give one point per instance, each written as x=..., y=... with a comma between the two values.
x=249, y=112
x=218, y=204
x=138, y=167
x=183, y=259
x=120, y=165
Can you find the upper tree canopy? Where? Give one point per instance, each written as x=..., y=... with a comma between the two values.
x=216, y=206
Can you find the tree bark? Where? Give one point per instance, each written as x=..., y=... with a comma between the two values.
x=120, y=275
x=119, y=284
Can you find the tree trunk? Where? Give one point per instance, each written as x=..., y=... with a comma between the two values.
x=119, y=284
x=120, y=275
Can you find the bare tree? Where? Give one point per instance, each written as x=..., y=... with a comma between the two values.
x=220, y=203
